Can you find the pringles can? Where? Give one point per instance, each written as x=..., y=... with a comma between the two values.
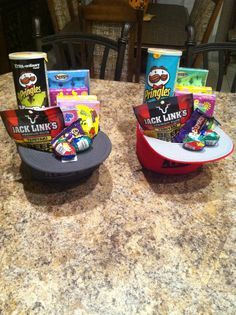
x=161, y=73
x=30, y=79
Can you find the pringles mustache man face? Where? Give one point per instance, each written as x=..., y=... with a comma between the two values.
x=158, y=77
x=27, y=79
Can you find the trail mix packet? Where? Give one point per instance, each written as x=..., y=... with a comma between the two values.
x=33, y=128
x=163, y=119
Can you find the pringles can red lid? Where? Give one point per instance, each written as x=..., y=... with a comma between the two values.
x=30, y=79
x=161, y=73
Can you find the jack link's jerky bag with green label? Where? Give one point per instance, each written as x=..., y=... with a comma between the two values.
x=163, y=119
x=34, y=128
x=30, y=79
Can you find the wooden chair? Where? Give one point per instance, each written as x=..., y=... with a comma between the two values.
x=76, y=50
x=170, y=25
x=62, y=12
x=109, y=17
x=221, y=49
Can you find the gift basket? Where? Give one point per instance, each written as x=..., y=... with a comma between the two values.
x=56, y=125
x=176, y=129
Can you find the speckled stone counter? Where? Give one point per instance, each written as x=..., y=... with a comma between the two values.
x=124, y=241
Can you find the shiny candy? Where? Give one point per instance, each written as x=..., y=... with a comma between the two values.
x=194, y=145
x=210, y=137
x=81, y=143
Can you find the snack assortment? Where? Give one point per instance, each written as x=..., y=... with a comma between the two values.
x=188, y=116
x=56, y=113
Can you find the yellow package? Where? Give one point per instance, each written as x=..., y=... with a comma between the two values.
x=61, y=97
x=89, y=120
x=194, y=89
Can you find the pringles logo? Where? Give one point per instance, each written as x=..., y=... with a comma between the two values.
x=157, y=80
x=28, y=80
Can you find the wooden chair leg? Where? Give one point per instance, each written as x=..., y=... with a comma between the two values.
x=221, y=70
x=233, y=88
x=131, y=59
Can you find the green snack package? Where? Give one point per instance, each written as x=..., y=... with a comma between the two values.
x=191, y=77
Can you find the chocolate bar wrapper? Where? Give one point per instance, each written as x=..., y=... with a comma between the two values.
x=195, y=124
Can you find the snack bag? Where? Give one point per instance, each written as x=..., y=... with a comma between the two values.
x=33, y=129
x=163, y=119
x=191, y=77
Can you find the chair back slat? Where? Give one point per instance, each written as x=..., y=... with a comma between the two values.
x=104, y=62
x=71, y=51
x=221, y=70
x=222, y=49
x=77, y=50
x=205, y=60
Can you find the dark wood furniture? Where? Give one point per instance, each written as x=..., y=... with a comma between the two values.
x=169, y=26
x=77, y=50
x=222, y=49
x=119, y=12
x=16, y=26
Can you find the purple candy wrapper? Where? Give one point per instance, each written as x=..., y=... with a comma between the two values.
x=70, y=132
x=195, y=123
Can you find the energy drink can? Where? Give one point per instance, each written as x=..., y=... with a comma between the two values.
x=161, y=73
x=30, y=79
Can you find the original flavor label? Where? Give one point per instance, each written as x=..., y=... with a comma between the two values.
x=30, y=83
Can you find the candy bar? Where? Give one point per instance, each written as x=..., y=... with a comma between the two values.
x=194, y=124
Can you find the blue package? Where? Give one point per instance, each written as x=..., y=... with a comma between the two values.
x=68, y=82
x=68, y=79
x=161, y=73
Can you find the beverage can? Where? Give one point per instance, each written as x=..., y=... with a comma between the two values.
x=161, y=73
x=30, y=79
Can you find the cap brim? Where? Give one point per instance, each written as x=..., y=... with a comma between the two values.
x=176, y=152
x=47, y=162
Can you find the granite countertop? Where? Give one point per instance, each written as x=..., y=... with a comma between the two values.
x=123, y=241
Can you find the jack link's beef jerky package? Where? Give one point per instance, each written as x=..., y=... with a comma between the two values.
x=163, y=119
x=34, y=129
